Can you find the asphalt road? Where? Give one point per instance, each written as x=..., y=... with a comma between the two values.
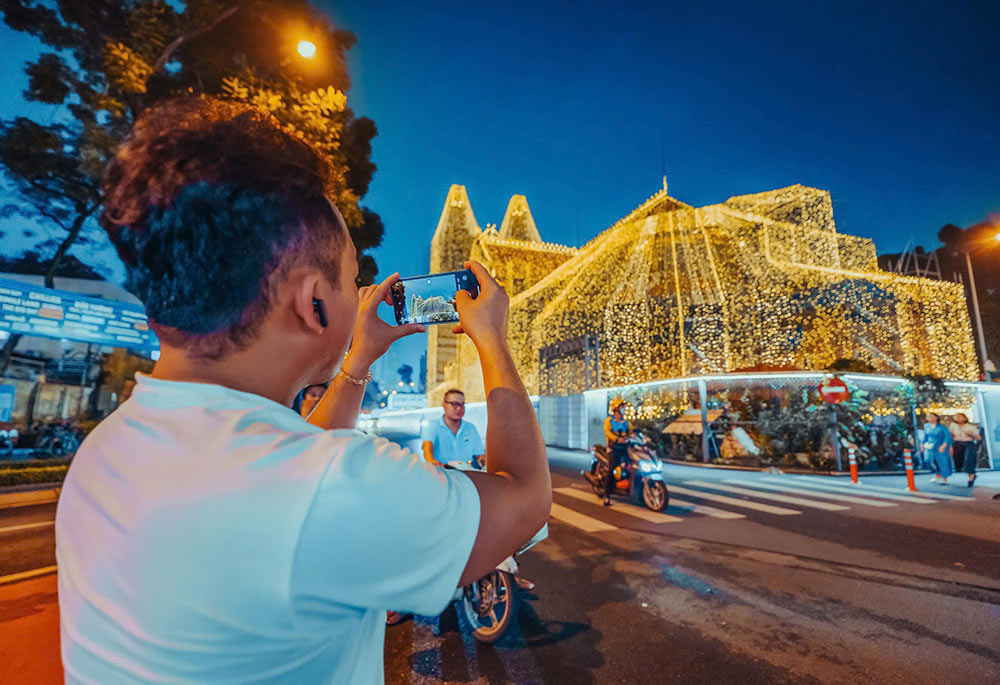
x=748, y=578
x=882, y=590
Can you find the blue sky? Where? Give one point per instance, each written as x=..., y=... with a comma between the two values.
x=892, y=107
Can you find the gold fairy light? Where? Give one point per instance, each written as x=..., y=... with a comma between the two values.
x=670, y=290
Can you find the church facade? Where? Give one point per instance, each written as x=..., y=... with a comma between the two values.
x=759, y=282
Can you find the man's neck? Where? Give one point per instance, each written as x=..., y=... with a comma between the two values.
x=453, y=424
x=243, y=371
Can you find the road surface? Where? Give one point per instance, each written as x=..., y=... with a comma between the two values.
x=747, y=577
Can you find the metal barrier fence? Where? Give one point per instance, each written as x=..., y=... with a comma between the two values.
x=756, y=420
x=780, y=420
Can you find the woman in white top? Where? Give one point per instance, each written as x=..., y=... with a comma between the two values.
x=965, y=444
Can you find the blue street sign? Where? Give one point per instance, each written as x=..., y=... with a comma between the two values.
x=49, y=313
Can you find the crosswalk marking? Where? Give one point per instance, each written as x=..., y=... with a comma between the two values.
x=647, y=514
x=813, y=504
x=836, y=496
x=901, y=491
x=636, y=511
x=860, y=490
x=780, y=511
x=705, y=509
x=581, y=521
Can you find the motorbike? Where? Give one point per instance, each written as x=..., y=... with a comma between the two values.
x=58, y=440
x=489, y=604
x=641, y=474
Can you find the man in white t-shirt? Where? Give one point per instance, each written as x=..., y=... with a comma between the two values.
x=450, y=438
x=208, y=533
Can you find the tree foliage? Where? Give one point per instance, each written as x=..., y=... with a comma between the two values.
x=32, y=262
x=108, y=60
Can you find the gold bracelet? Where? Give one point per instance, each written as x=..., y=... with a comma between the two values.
x=355, y=381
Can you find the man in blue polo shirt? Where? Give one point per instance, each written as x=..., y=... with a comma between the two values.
x=449, y=438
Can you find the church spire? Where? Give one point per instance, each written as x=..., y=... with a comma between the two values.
x=518, y=224
x=456, y=231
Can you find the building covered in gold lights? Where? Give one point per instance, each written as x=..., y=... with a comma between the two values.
x=759, y=281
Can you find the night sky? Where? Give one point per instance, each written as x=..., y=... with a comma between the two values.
x=892, y=107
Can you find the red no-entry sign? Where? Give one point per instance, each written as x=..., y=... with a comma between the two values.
x=833, y=390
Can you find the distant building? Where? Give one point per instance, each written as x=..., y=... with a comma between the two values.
x=61, y=378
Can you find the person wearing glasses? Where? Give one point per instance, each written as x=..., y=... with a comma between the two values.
x=449, y=438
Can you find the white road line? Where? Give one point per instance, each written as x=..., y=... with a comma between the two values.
x=631, y=510
x=813, y=504
x=780, y=511
x=647, y=514
x=902, y=491
x=836, y=496
x=25, y=575
x=581, y=521
x=28, y=503
x=829, y=487
x=705, y=509
x=26, y=526
x=583, y=495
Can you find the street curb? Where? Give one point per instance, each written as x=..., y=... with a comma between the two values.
x=44, y=494
x=15, y=578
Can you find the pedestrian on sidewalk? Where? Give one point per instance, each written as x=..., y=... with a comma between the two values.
x=965, y=445
x=937, y=447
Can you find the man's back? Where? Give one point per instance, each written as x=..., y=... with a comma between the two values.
x=206, y=534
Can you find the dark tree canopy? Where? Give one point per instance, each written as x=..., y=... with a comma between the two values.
x=31, y=262
x=110, y=59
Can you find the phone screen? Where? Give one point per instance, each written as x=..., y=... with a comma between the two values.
x=431, y=299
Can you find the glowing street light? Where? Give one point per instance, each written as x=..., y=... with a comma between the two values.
x=307, y=49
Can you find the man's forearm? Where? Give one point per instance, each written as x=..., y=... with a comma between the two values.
x=514, y=442
x=340, y=406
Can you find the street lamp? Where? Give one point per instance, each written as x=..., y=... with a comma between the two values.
x=307, y=49
x=975, y=304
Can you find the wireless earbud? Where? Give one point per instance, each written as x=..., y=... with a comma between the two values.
x=320, y=312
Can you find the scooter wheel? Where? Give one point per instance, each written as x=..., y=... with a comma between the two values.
x=599, y=479
x=655, y=495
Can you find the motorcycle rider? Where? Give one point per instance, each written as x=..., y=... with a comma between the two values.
x=617, y=430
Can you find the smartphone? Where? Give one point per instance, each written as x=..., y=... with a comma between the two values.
x=431, y=298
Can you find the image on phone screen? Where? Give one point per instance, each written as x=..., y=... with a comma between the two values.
x=431, y=299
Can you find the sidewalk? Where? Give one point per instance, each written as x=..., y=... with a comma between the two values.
x=29, y=632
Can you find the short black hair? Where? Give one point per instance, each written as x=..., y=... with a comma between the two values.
x=209, y=204
x=454, y=391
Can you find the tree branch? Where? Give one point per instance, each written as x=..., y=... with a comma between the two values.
x=176, y=43
x=64, y=246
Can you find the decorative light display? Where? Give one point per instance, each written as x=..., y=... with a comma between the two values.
x=671, y=290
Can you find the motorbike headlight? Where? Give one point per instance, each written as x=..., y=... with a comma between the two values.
x=648, y=466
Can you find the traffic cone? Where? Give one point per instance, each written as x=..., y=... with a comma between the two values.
x=908, y=461
x=853, y=461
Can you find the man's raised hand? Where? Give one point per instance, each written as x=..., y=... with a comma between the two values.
x=484, y=319
x=372, y=335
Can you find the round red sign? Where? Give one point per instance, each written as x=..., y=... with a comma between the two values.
x=833, y=390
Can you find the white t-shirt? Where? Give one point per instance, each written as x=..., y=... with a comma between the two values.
x=210, y=535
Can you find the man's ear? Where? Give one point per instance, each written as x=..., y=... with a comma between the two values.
x=306, y=291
